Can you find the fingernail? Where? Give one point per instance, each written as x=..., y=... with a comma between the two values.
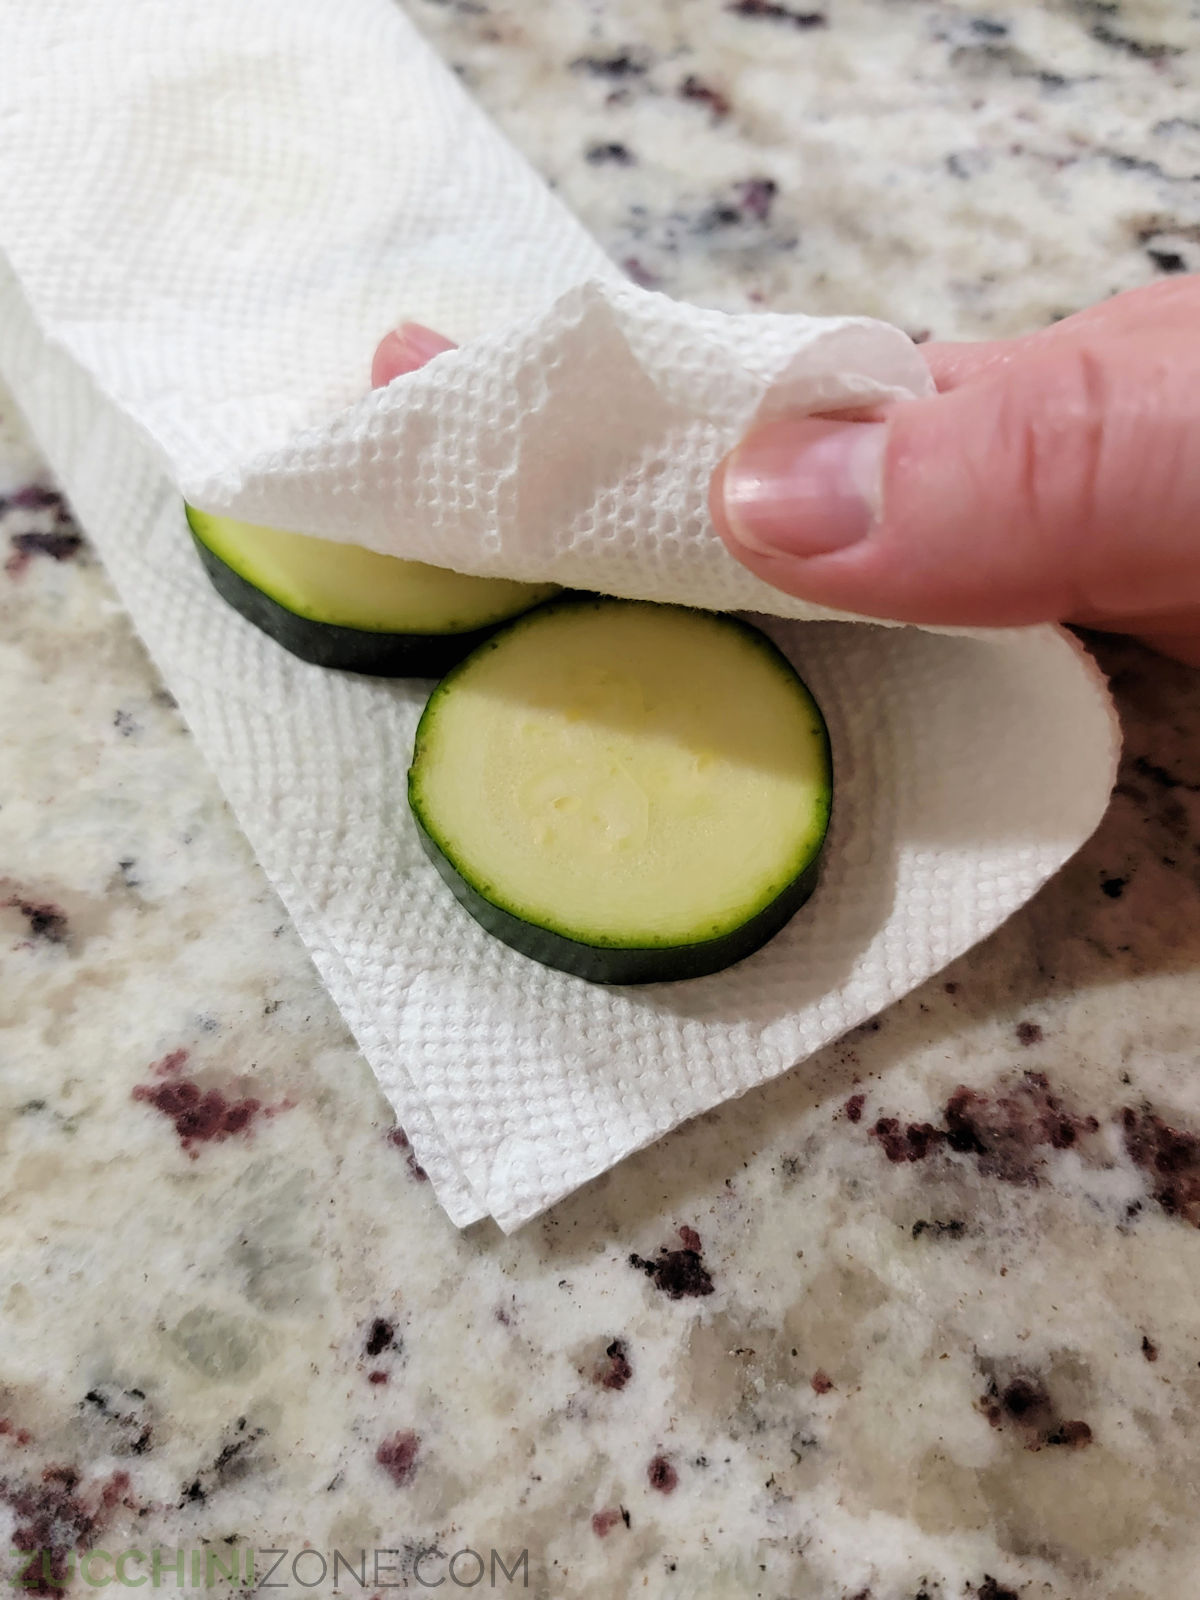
x=804, y=488
x=406, y=349
x=422, y=343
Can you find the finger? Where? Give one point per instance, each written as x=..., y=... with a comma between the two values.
x=405, y=349
x=1062, y=484
x=1170, y=304
x=952, y=365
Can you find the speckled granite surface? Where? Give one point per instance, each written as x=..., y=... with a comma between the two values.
x=920, y=1319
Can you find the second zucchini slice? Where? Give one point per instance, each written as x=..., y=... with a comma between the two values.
x=340, y=605
x=630, y=792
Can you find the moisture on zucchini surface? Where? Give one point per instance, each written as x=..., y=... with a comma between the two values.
x=340, y=605
x=630, y=792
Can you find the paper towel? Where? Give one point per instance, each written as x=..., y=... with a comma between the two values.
x=212, y=213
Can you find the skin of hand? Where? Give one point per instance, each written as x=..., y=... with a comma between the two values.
x=1052, y=478
x=403, y=350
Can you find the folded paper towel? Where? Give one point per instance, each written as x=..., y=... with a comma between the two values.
x=212, y=213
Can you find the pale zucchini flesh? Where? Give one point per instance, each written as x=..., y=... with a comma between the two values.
x=631, y=792
x=341, y=605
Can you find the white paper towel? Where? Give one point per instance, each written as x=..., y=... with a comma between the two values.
x=212, y=213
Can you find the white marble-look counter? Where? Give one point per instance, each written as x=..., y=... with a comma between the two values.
x=919, y=1320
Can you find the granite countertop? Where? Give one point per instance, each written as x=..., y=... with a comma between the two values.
x=917, y=1320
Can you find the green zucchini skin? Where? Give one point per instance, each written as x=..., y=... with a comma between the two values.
x=619, y=964
x=328, y=644
x=616, y=963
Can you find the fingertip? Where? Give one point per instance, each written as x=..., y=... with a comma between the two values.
x=405, y=349
x=388, y=361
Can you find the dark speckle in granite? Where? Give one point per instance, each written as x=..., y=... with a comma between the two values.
x=771, y=11
x=1004, y=1129
x=1163, y=235
x=1167, y=260
x=235, y=1459
x=1139, y=48
x=44, y=920
x=200, y=1116
x=381, y=1336
x=621, y=64
x=1149, y=1348
x=821, y=1382
x=1024, y=1400
x=756, y=196
x=959, y=164
x=680, y=1274
x=397, y=1455
x=1170, y=1158
x=32, y=497
x=661, y=1475
x=603, y=1522
x=749, y=202
x=612, y=154
x=55, y=1516
x=640, y=273
x=989, y=1589
x=166, y=1066
x=1029, y=1033
x=1123, y=161
x=906, y=1143
x=57, y=545
x=721, y=214
x=1114, y=888
x=123, y=1413
x=703, y=93
x=399, y=1139
x=853, y=1107
x=615, y=1370
x=1023, y=1403
x=953, y=1229
x=988, y=59
x=1073, y=1434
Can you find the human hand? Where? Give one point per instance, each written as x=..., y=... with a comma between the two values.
x=1054, y=477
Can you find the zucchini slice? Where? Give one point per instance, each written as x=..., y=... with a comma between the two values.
x=339, y=605
x=633, y=793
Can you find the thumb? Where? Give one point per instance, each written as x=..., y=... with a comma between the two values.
x=1063, y=484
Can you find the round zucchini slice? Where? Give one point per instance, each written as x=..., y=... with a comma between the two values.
x=339, y=605
x=633, y=793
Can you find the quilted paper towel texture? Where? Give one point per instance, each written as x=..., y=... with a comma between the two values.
x=236, y=201
x=967, y=769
